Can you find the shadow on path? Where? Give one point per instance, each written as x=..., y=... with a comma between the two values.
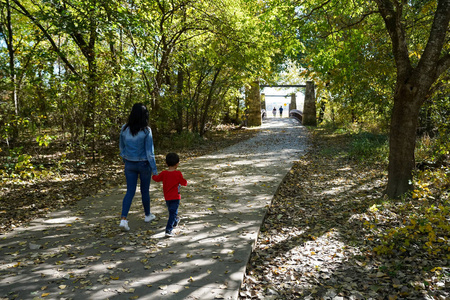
x=81, y=253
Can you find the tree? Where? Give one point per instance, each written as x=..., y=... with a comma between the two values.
x=91, y=59
x=418, y=33
x=414, y=79
x=8, y=38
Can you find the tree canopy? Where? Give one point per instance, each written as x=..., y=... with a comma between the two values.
x=378, y=59
x=81, y=63
x=76, y=66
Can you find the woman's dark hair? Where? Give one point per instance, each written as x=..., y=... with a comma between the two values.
x=138, y=119
x=172, y=159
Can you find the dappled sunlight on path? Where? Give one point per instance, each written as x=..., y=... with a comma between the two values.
x=82, y=254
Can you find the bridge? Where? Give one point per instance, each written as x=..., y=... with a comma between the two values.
x=282, y=85
x=306, y=115
x=296, y=114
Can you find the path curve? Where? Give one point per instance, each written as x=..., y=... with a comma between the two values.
x=81, y=253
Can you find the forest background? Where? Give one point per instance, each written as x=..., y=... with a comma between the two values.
x=71, y=70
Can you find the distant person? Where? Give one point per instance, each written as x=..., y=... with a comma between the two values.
x=274, y=112
x=263, y=114
x=172, y=181
x=137, y=151
x=281, y=111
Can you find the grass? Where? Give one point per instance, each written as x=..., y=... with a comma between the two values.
x=366, y=146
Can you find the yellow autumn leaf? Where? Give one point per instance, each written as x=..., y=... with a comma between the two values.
x=114, y=277
x=45, y=294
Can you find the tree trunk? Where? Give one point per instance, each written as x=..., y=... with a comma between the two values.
x=179, y=104
x=402, y=142
x=207, y=104
x=238, y=103
x=10, y=46
x=413, y=85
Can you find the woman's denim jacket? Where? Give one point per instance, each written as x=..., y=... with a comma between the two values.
x=138, y=147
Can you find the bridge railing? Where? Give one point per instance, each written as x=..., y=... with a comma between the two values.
x=296, y=114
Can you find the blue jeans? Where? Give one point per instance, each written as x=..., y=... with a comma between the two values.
x=172, y=205
x=134, y=169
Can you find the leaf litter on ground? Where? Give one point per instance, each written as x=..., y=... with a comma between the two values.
x=330, y=234
x=69, y=265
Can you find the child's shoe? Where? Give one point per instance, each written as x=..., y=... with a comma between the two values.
x=169, y=234
x=177, y=221
x=124, y=225
x=149, y=218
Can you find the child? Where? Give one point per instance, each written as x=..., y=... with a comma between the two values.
x=172, y=180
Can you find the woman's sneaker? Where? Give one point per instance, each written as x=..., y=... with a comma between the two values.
x=149, y=218
x=124, y=225
x=169, y=234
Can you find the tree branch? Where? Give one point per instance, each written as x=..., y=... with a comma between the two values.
x=393, y=22
x=314, y=9
x=436, y=39
x=443, y=65
x=25, y=12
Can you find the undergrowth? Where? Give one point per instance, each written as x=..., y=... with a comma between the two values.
x=421, y=219
x=425, y=215
x=366, y=146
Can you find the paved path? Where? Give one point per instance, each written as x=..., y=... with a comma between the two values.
x=81, y=253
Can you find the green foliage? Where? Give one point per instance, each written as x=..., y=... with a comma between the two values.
x=435, y=124
x=12, y=126
x=24, y=167
x=17, y=165
x=369, y=147
x=348, y=58
x=44, y=140
x=425, y=225
x=176, y=141
x=80, y=65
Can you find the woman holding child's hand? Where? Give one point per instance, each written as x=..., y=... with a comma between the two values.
x=137, y=151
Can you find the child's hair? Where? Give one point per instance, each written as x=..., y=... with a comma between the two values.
x=172, y=159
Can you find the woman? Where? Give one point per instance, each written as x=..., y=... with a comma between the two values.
x=137, y=151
